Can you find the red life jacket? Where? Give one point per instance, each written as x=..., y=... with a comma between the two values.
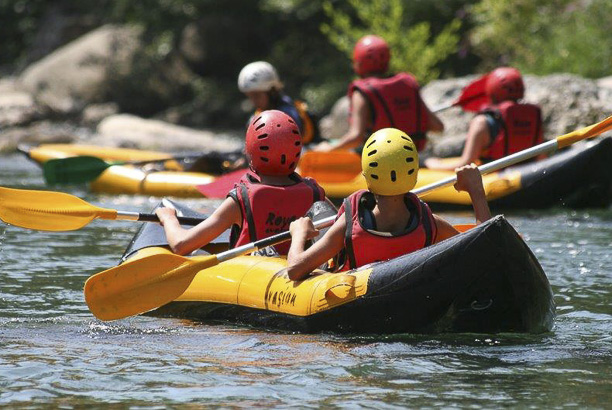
x=268, y=209
x=521, y=128
x=395, y=102
x=363, y=246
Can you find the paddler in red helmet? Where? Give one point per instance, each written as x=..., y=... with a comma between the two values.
x=504, y=127
x=267, y=199
x=379, y=101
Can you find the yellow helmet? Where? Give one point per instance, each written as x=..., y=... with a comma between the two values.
x=390, y=162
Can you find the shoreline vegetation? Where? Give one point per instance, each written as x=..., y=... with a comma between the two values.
x=118, y=73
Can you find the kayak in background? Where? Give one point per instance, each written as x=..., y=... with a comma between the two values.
x=577, y=177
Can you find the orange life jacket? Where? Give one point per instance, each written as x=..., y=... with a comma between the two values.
x=269, y=209
x=363, y=246
x=395, y=102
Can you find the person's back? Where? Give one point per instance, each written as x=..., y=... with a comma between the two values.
x=518, y=126
x=379, y=101
x=506, y=126
x=396, y=103
x=513, y=125
x=269, y=209
x=387, y=220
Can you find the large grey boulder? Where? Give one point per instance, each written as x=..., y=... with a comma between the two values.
x=125, y=130
x=336, y=123
x=79, y=73
x=17, y=107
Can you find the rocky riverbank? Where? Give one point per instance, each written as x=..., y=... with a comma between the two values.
x=75, y=93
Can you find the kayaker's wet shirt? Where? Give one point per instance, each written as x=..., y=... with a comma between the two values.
x=395, y=102
x=363, y=244
x=513, y=127
x=269, y=209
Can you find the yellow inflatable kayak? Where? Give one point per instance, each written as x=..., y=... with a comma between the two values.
x=129, y=179
x=577, y=177
x=485, y=280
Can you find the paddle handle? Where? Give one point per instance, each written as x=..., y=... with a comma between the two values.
x=153, y=161
x=269, y=241
x=142, y=217
x=444, y=107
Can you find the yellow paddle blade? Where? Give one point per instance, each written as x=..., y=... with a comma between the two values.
x=584, y=133
x=141, y=285
x=334, y=166
x=48, y=211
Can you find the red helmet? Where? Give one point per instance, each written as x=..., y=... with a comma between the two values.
x=505, y=83
x=273, y=143
x=371, y=55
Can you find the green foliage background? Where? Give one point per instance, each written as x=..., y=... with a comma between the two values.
x=545, y=36
x=310, y=41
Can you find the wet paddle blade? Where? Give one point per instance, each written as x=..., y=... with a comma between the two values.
x=48, y=211
x=73, y=170
x=141, y=285
x=222, y=185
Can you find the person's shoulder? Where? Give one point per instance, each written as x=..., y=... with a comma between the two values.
x=406, y=76
x=286, y=99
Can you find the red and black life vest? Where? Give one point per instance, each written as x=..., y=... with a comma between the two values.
x=363, y=246
x=269, y=209
x=395, y=102
x=520, y=128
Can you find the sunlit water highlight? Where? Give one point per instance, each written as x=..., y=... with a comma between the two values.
x=53, y=352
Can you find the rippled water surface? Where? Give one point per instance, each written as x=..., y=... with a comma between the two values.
x=53, y=351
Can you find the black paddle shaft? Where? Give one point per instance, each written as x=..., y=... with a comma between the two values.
x=183, y=220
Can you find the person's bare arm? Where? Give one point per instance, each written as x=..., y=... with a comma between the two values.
x=444, y=229
x=301, y=262
x=184, y=241
x=434, y=123
x=470, y=180
x=360, y=121
x=477, y=139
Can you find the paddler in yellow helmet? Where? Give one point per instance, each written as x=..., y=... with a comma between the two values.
x=386, y=220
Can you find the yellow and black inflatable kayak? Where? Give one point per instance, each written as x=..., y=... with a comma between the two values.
x=578, y=177
x=484, y=280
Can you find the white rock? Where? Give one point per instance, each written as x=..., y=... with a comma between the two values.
x=125, y=130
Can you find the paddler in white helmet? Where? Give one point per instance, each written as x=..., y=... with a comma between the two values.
x=260, y=82
x=386, y=220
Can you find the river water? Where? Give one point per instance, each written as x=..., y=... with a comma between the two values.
x=55, y=353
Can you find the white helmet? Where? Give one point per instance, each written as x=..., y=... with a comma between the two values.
x=258, y=76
